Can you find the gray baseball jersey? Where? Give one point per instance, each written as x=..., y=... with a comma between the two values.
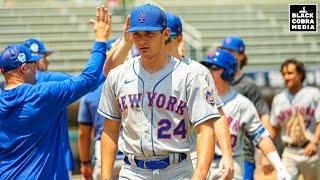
x=247, y=87
x=242, y=118
x=306, y=101
x=156, y=110
x=200, y=69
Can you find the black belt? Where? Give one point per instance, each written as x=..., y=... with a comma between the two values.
x=154, y=164
x=297, y=145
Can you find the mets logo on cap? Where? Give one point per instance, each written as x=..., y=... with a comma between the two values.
x=142, y=17
x=209, y=97
x=34, y=47
x=22, y=57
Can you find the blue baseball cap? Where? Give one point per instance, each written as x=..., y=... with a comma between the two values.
x=147, y=17
x=221, y=58
x=13, y=56
x=36, y=46
x=174, y=23
x=234, y=43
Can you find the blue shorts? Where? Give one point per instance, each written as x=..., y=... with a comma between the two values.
x=248, y=170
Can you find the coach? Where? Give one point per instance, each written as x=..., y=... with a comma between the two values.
x=30, y=130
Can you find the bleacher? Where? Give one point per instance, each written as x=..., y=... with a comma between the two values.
x=262, y=24
x=63, y=26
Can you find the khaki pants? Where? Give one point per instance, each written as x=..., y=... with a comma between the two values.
x=296, y=163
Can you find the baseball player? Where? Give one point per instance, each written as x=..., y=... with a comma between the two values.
x=30, y=130
x=221, y=126
x=242, y=117
x=247, y=87
x=155, y=100
x=297, y=111
x=37, y=47
x=172, y=46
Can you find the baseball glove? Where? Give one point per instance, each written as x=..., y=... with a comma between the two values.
x=296, y=129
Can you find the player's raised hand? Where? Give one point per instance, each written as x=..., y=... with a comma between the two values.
x=127, y=36
x=102, y=24
x=226, y=169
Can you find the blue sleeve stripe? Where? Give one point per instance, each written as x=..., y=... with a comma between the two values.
x=258, y=133
x=203, y=119
x=108, y=115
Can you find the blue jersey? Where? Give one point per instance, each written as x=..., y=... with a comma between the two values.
x=88, y=112
x=46, y=76
x=30, y=126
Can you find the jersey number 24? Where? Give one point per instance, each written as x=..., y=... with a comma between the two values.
x=165, y=132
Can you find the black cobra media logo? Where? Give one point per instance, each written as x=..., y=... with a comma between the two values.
x=303, y=17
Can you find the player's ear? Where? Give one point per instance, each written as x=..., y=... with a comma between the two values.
x=23, y=68
x=179, y=38
x=166, y=33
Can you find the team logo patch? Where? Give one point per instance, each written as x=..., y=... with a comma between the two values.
x=208, y=94
x=34, y=47
x=22, y=57
x=142, y=17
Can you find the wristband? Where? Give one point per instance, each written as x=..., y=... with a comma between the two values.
x=275, y=160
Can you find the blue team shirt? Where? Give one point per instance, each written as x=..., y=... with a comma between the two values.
x=88, y=112
x=30, y=126
x=47, y=76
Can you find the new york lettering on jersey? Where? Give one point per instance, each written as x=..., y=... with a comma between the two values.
x=154, y=99
x=305, y=103
x=161, y=106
